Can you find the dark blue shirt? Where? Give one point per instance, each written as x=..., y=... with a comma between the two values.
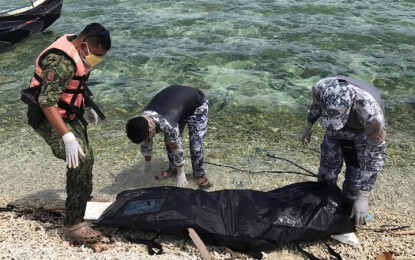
x=176, y=103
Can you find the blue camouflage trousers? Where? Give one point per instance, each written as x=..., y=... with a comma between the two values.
x=197, y=124
x=371, y=159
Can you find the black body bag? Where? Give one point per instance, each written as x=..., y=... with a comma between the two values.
x=243, y=220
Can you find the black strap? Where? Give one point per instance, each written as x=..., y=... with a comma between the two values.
x=150, y=243
x=307, y=254
x=312, y=257
x=72, y=109
x=87, y=90
x=332, y=252
x=90, y=103
x=34, y=91
x=73, y=91
x=37, y=77
x=75, y=77
x=85, y=124
x=87, y=94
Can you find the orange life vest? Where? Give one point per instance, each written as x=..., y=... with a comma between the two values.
x=71, y=101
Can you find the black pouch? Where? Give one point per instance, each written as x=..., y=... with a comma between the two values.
x=349, y=152
x=34, y=113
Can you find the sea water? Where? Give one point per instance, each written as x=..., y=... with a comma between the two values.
x=256, y=61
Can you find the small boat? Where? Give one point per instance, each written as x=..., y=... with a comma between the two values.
x=19, y=23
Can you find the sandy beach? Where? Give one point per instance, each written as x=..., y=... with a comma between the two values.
x=31, y=177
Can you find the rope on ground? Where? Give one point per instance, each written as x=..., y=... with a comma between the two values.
x=386, y=228
x=308, y=173
x=284, y=159
x=390, y=228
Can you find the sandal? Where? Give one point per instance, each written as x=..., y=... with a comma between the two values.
x=165, y=175
x=203, y=183
x=83, y=232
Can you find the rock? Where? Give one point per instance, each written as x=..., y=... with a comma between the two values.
x=98, y=247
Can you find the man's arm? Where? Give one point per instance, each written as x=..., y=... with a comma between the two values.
x=372, y=118
x=173, y=140
x=55, y=119
x=146, y=148
x=57, y=72
x=314, y=114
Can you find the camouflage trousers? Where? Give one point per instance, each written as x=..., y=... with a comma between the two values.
x=371, y=159
x=197, y=124
x=78, y=180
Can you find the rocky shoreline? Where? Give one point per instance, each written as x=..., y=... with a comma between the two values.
x=22, y=237
x=31, y=177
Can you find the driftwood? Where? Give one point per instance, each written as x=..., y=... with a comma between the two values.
x=199, y=244
x=406, y=232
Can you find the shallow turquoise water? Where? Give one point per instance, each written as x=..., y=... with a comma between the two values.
x=249, y=56
x=265, y=53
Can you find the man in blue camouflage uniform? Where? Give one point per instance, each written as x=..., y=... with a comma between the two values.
x=169, y=112
x=67, y=137
x=352, y=113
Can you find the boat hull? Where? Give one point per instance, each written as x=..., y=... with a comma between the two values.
x=14, y=28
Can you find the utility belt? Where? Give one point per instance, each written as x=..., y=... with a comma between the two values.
x=348, y=148
x=354, y=130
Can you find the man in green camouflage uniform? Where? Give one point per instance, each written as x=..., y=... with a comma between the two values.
x=57, y=71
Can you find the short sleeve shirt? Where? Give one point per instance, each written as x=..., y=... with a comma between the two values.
x=57, y=72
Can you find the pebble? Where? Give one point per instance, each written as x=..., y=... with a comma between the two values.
x=22, y=238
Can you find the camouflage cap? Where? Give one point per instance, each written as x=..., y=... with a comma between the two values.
x=336, y=102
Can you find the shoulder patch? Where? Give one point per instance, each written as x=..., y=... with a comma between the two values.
x=50, y=76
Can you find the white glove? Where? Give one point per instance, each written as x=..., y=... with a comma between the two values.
x=91, y=115
x=181, y=177
x=360, y=207
x=72, y=149
x=306, y=135
x=147, y=168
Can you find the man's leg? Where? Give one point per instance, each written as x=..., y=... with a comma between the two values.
x=170, y=156
x=371, y=159
x=78, y=180
x=197, y=124
x=331, y=159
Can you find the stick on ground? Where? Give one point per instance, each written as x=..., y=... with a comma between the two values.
x=199, y=244
x=407, y=232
